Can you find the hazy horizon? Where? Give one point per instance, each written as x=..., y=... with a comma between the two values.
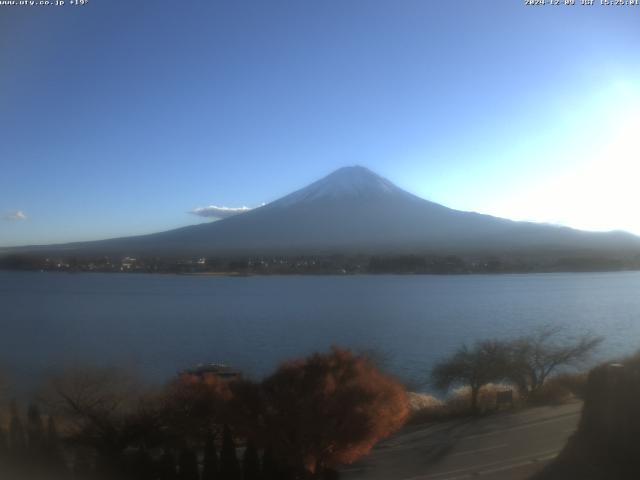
x=122, y=120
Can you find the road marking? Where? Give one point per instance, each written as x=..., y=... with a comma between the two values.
x=477, y=469
x=408, y=447
x=395, y=446
x=479, y=450
x=521, y=427
x=422, y=432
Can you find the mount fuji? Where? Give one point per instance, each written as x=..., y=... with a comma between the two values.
x=354, y=210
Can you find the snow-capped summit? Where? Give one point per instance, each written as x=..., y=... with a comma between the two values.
x=352, y=182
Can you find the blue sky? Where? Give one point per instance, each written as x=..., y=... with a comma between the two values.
x=120, y=117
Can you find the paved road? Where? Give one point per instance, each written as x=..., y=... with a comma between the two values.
x=507, y=446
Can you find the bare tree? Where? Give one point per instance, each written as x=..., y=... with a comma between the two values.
x=483, y=363
x=105, y=410
x=91, y=396
x=533, y=358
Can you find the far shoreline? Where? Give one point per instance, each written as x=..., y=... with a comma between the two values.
x=327, y=274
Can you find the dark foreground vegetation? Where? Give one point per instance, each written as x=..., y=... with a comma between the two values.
x=303, y=421
x=310, y=416
x=605, y=446
x=327, y=264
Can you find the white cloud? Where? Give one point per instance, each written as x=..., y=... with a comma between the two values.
x=213, y=211
x=15, y=216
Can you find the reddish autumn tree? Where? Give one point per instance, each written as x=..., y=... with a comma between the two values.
x=329, y=409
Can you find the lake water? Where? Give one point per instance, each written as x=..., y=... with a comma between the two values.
x=159, y=324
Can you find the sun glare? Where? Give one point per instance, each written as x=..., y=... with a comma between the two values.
x=601, y=193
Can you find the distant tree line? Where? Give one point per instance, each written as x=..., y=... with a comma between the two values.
x=325, y=264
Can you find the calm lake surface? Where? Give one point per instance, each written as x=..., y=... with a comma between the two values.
x=159, y=324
